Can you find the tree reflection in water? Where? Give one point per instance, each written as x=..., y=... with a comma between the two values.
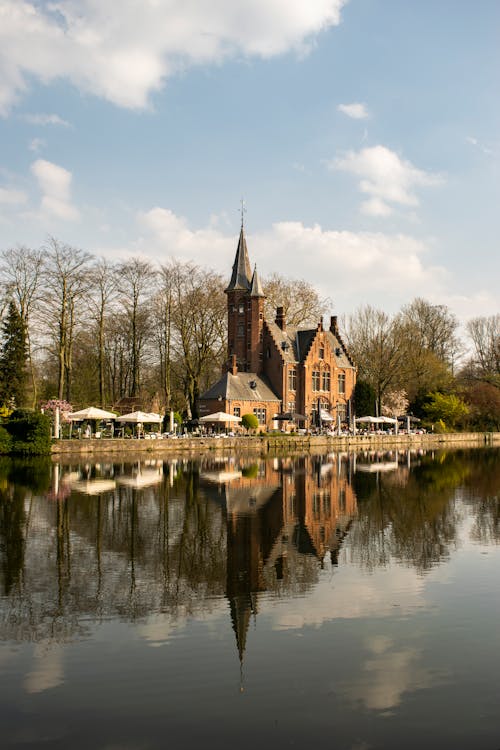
x=94, y=540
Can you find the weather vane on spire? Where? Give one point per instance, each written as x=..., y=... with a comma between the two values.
x=243, y=212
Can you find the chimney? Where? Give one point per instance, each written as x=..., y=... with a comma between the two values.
x=233, y=365
x=333, y=325
x=280, y=318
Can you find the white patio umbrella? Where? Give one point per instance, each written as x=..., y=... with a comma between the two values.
x=141, y=417
x=377, y=420
x=91, y=413
x=220, y=416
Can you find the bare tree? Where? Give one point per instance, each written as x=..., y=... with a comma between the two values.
x=376, y=344
x=117, y=346
x=66, y=282
x=430, y=344
x=199, y=326
x=136, y=280
x=300, y=301
x=433, y=329
x=485, y=336
x=163, y=309
x=104, y=284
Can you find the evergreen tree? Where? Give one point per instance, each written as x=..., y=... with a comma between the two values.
x=364, y=399
x=13, y=359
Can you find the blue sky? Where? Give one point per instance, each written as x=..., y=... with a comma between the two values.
x=363, y=136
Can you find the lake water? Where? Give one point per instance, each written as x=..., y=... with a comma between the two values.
x=348, y=601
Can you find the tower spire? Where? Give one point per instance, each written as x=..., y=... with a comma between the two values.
x=241, y=277
x=243, y=212
x=255, y=286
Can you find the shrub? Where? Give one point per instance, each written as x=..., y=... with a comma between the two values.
x=29, y=432
x=447, y=409
x=5, y=441
x=249, y=421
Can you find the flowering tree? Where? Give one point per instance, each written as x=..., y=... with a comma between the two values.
x=64, y=407
x=395, y=404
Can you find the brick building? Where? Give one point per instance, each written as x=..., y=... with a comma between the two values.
x=277, y=370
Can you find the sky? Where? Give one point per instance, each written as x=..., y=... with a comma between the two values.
x=362, y=135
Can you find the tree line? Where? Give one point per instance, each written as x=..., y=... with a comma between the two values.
x=417, y=362
x=85, y=329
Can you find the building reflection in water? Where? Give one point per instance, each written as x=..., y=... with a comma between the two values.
x=278, y=512
x=114, y=538
x=84, y=541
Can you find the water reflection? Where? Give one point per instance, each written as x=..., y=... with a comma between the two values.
x=131, y=539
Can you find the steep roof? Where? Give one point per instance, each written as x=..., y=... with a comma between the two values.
x=256, y=287
x=244, y=386
x=342, y=356
x=241, y=277
x=284, y=340
x=294, y=343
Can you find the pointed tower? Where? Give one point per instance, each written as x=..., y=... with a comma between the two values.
x=257, y=299
x=245, y=307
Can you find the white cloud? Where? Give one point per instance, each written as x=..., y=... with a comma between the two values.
x=375, y=207
x=12, y=197
x=386, y=270
x=474, y=142
x=36, y=144
x=41, y=119
x=350, y=267
x=208, y=246
x=125, y=56
x=55, y=183
x=385, y=177
x=356, y=110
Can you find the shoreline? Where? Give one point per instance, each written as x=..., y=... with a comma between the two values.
x=269, y=444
